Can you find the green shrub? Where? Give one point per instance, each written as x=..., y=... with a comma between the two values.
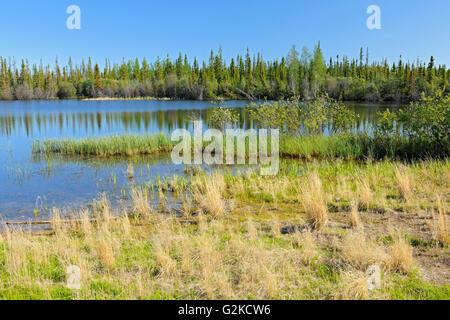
x=66, y=90
x=304, y=118
x=424, y=125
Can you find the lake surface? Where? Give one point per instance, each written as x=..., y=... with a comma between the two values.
x=36, y=183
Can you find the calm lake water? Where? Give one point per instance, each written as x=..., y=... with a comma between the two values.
x=29, y=182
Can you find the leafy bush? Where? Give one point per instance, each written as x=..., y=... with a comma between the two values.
x=294, y=117
x=425, y=125
x=66, y=90
x=222, y=117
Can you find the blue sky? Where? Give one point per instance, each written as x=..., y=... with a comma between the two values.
x=137, y=28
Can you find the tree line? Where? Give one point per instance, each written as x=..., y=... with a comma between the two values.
x=304, y=75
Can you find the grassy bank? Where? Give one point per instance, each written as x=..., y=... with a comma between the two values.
x=308, y=233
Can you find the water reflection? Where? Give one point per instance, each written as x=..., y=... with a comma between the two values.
x=88, y=123
x=71, y=121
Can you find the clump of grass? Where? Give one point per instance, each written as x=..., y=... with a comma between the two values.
x=405, y=182
x=115, y=145
x=402, y=256
x=207, y=191
x=365, y=194
x=309, y=251
x=102, y=207
x=166, y=265
x=355, y=221
x=440, y=225
x=140, y=200
x=313, y=201
x=275, y=226
x=251, y=230
x=105, y=254
x=360, y=253
x=354, y=286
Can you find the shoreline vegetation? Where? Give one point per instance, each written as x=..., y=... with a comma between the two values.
x=348, y=147
x=302, y=74
x=419, y=131
x=122, y=99
x=309, y=232
x=244, y=236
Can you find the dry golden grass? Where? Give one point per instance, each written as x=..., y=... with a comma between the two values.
x=186, y=204
x=401, y=254
x=440, y=224
x=354, y=286
x=208, y=192
x=313, y=201
x=308, y=248
x=355, y=220
x=239, y=255
x=166, y=265
x=213, y=259
x=102, y=208
x=275, y=226
x=360, y=253
x=105, y=254
x=251, y=230
x=140, y=200
x=365, y=194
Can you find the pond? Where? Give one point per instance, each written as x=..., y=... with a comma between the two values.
x=35, y=183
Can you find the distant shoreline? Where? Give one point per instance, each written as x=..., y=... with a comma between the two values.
x=123, y=99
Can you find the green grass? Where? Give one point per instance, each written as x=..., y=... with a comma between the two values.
x=115, y=145
x=336, y=146
x=345, y=146
x=414, y=288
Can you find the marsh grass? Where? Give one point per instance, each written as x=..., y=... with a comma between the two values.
x=208, y=193
x=140, y=199
x=115, y=145
x=342, y=146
